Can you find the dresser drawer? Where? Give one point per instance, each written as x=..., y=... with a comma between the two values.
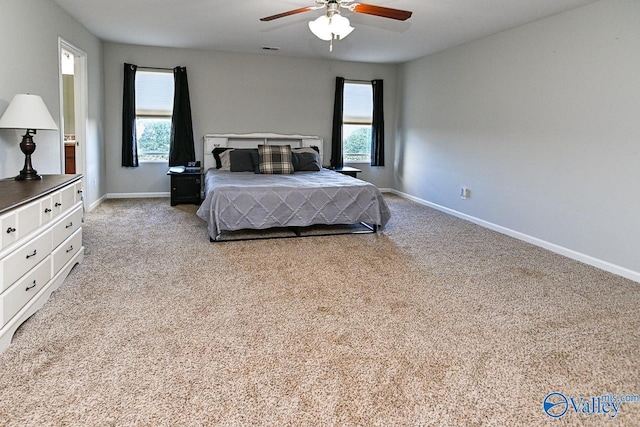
x=9, y=229
x=14, y=298
x=28, y=218
x=46, y=210
x=63, y=253
x=77, y=191
x=63, y=200
x=14, y=266
x=66, y=227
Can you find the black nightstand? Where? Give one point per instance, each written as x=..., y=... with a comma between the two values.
x=348, y=170
x=185, y=187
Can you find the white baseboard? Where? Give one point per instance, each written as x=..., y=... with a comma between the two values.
x=97, y=203
x=569, y=253
x=137, y=195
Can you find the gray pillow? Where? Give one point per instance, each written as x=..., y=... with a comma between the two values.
x=241, y=160
x=255, y=158
x=306, y=161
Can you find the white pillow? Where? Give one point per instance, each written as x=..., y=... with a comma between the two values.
x=225, y=160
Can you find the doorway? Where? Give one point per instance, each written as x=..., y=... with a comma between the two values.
x=73, y=110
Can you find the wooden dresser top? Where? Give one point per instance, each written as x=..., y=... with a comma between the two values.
x=16, y=193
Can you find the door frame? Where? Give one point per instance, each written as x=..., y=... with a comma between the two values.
x=81, y=111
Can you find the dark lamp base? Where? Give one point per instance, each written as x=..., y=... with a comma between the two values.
x=28, y=176
x=28, y=147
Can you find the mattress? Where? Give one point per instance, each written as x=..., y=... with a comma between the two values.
x=244, y=200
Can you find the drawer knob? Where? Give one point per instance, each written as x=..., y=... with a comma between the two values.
x=57, y=205
x=31, y=286
x=70, y=249
x=47, y=210
x=70, y=225
x=11, y=230
x=35, y=252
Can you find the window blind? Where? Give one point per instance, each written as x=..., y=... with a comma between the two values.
x=154, y=93
x=358, y=103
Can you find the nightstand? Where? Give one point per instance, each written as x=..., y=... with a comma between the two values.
x=348, y=170
x=185, y=187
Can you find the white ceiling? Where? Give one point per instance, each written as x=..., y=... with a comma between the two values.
x=234, y=25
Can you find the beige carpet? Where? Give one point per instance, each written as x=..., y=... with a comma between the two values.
x=435, y=321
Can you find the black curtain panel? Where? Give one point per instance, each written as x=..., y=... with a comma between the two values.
x=377, y=126
x=336, y=136
x=181, y=148
x=129, y=140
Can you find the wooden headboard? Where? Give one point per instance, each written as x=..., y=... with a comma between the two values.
x=252, y=140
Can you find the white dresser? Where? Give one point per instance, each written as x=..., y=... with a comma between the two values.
x=40, y=242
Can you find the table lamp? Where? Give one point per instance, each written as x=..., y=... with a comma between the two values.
x=28, y=112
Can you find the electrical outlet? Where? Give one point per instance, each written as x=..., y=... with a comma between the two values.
x=464, y=193
x=95, y=182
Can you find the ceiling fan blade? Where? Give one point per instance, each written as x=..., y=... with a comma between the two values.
x=385, y=12
x=291, y=12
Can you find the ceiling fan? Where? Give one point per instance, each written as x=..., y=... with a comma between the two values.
x=332, y=25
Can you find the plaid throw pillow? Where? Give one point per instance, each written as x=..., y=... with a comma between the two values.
x=275, y=159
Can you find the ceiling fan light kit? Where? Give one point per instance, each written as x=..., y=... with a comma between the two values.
x=329, y=28
x=332, y=25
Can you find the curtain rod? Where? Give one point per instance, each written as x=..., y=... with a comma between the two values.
x=154, y=68
x=357, y=81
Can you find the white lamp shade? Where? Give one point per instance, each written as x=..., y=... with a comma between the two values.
x=27, y=111
x=340, y=26
x=320, y=27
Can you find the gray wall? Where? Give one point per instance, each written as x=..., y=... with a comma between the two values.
x=29, y=30
x=542, y=123
x=240, y=93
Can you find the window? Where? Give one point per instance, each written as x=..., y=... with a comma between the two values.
x=357, y=118
x=154, y=107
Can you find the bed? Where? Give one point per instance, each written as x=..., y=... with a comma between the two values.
x=246, y=200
